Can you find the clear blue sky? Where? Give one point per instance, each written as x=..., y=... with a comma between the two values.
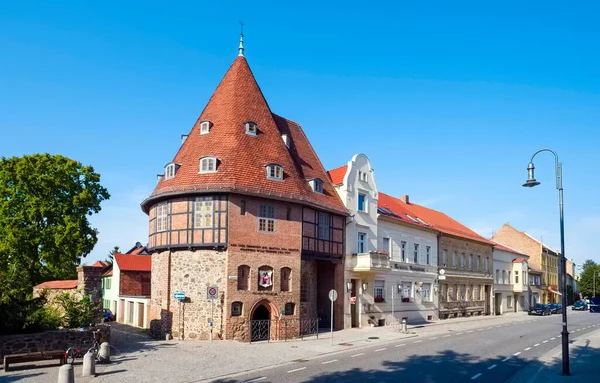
x=448, y=99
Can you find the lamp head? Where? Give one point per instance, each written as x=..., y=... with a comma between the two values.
x=531, y=182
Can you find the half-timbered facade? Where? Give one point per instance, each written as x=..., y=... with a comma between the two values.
x=245, y=207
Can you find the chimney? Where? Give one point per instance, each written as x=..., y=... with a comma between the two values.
x=405, y=199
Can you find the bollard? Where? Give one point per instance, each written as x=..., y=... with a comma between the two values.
x=104, y=353
x=89, y=364
x=404, y=325
x=66, y=374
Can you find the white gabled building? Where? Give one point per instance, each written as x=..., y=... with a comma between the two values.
x=382, y=285
x=511, y=280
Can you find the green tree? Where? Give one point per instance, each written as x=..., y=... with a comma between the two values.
x=586, y=282
x=79, y=312
x=111, y=254
x=45, y=202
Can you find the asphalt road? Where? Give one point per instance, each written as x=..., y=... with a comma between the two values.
x=482, y=351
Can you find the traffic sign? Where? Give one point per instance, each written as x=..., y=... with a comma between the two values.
x=179, y=296
x=332, y=295
x=212, y=292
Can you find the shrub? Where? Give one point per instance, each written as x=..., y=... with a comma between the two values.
x=78, y=312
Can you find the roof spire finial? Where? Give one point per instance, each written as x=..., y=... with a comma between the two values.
x=241, y=47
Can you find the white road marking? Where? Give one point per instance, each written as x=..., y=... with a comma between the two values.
x=498, y=326
x=460, y=333
x=535, y=345
x=552, y=338
x=297, y=369
x=330, y=361
x=400, y=345
x=480, y=329
x=446, y=336
x=545, y=341
x=476, y=376
x=470, y=331
x=256, y=380
x=492, y=366
x=417, y=341
x=354, y=356
x=505, y=359
x=527, y=349
x=380, y=349
x=517, y=353
x=489, y=328
x=433, y=338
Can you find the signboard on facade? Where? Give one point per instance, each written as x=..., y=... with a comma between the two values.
x=212, y=292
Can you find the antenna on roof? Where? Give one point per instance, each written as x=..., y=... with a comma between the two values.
x=241, y=47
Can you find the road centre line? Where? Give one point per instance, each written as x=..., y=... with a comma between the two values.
x=460, y=333
x=446, y=336
x=470, y=331
x=552, y=338
x=545, y=341
x=489, y=328
x=476, y=376
x=492, y=366
x=517, y=353
x=381, y=349
x=433, y=338
x=354, y=356
x=527, y=349
x=417, y=341
x=535, y=345
x=330, y=361
x=399, y=345
x=297, y=369
x=505, y=359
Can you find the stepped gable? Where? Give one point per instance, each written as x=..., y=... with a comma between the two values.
x=242, y=158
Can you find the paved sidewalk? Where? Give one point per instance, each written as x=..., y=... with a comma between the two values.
x=584, y=356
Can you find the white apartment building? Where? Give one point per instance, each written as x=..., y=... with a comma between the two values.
x=511, y=280
x=391, y=258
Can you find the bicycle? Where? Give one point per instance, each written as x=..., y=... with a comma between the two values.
x=73, y=353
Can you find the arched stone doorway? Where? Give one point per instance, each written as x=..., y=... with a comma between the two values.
x=260, y=322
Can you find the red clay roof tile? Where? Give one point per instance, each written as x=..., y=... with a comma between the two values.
x=242, y=157
x=65, y=284
x=130, y=262
x=337, y=175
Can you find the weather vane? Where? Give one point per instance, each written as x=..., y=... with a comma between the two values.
x=241, y=47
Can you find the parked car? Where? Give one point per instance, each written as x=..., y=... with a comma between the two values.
x=540, y=309
x=556, y=308
x=108, y=315
x=580, y=305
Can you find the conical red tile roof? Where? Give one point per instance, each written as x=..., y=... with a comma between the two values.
x=241, y=157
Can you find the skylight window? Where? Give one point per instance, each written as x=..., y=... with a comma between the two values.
x=412, y=218
x=251, y=128
x=423, y=222
x=205, y=127
x=274, y=172
x=208, y=165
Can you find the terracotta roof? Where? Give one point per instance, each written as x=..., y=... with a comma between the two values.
x=519, y=260
x=101, y=264
x=108, y=273
x=337, y=175
x=508, y=249
x=241, y=157
x=130, y=262
x=387, y=204
x=67, y=284
x=439, y=221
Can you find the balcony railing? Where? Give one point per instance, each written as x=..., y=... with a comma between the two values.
x=370, y=261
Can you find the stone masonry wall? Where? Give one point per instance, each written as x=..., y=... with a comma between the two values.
x=58, y=340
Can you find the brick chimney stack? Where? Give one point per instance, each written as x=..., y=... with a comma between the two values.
x=405, y=199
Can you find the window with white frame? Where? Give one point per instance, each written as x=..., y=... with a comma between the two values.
x=251, y=128
x=362, y=202
x=162, y=217
x=406, y=291
x=362, y=176
x=403, y=251
x=509, y=277
x=504, y=277
x=426, y=292
x=509, y=302
x=208, y=164
x=478, y=264
x=416, y=253
x=454, y=259
x=497, y=276
x=463, y=260
x=428, y=253
x=274, y=172
x=266, y=219
x=444, y=258
x=169, y=171
x=361, y=243
x=470, y=261
x=203, y=213
x=317, y=185
x=386, y=245
x=324, y=232
x=204, y=127
x=525, y=278
x=379, y=290
x=516, y=277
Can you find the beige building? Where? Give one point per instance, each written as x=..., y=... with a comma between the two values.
x=541, y=257
x=511, y=283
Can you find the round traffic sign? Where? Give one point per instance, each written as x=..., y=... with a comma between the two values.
x=332, y=295
x=442, y=271
x=212, y=291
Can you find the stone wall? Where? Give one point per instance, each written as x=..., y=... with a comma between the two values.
x=59, y=340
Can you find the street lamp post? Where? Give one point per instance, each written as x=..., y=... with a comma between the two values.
x=531, y=182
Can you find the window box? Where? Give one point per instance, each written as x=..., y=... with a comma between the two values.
x=379, y=299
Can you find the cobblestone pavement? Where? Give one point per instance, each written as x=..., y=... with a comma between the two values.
x=136, y=358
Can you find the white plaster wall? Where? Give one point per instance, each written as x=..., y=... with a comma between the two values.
x=411, y=235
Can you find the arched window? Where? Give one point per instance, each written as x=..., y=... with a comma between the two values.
x=286, y=279
x=208, y=164
x=265, y=278
x=236, y=309
x=289, y=308
x=274, y=172
x=243, y=277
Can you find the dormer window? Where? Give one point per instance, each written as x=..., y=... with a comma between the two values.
x=274, y=172
x=251, y=128
x=205, y=127
x=208, y=165
x=317, y=185
x=362, y=176
x=169, y=171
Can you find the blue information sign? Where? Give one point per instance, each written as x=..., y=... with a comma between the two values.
x=179, y=296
